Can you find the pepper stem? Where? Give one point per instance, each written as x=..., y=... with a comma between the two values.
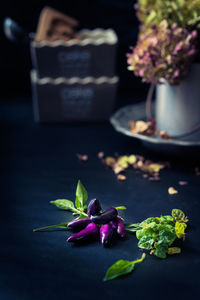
x=79, y=212
x=120, y=207
x=61, y=225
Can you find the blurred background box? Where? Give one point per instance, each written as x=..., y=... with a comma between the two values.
x=73, y=99
x=92, y=54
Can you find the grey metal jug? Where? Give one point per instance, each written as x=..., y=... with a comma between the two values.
x=178, y=107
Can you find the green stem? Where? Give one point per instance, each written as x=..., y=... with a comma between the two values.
x=140, y=259
x=79, y=212
x=120, y=207
x=61, y=225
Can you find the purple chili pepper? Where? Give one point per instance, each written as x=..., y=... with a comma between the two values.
x=94, y=207
x=121, y=230
x=106, y=234
x=88, y=233
x=78, y=223
x=107, y=216
x=113, y=224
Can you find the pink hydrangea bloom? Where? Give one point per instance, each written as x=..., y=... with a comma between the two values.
x=163, y=52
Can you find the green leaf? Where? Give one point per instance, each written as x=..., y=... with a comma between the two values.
x=167, y=220
x=121, y=267
x=152, y=219
x=154, y=226
x=178, y=215
x=85, y=207
x=146, y=242
x=161, y=249
x=166, y=236
x=81, y=195
x=64, y=204
x=174, y=250
x=180, y=229
x=140, y=233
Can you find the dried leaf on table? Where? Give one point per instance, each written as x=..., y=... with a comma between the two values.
x=117, y=169
x=100, y=155
x=120, y=163
x=142, y=127
x=121, y=177
x=172, y=191
x=164, y=135
x=181, y=182
x=123, y=161
x=154, y=167
x=82, y=157
x=109, y=161
x=132, y=159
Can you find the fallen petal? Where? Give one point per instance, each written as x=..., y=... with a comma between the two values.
x=172, y=191
x=121, y=177
x=182, y=182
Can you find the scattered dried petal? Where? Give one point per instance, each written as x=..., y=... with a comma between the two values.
x=100, y=155
x=132, y=125
x=117, y=169
x=142, y=127
x=109, y=161
x=123, y=161
x=164, y=135
x=82, y=157
x=155, y=168
x=145, y=175
x=182, y=182
x=132, y=159
x=140, y=164
x=121, y=177
x=147, y=167
x=172, y=191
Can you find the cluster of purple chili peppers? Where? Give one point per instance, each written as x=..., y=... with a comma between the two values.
x=107, y=224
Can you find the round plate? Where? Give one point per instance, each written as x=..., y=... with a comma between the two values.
x=120, y=121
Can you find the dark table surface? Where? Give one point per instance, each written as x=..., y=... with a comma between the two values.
x=39, y=164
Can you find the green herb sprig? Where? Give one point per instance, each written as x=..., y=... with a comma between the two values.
x=158, y=234
x=78, y=207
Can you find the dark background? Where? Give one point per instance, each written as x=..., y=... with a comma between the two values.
x=38, y=164
x=15, y=62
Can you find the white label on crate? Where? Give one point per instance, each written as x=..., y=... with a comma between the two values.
x=74, y=56
x=76, y=101
x=74, y=63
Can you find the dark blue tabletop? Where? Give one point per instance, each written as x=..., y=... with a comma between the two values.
x=38, y=164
